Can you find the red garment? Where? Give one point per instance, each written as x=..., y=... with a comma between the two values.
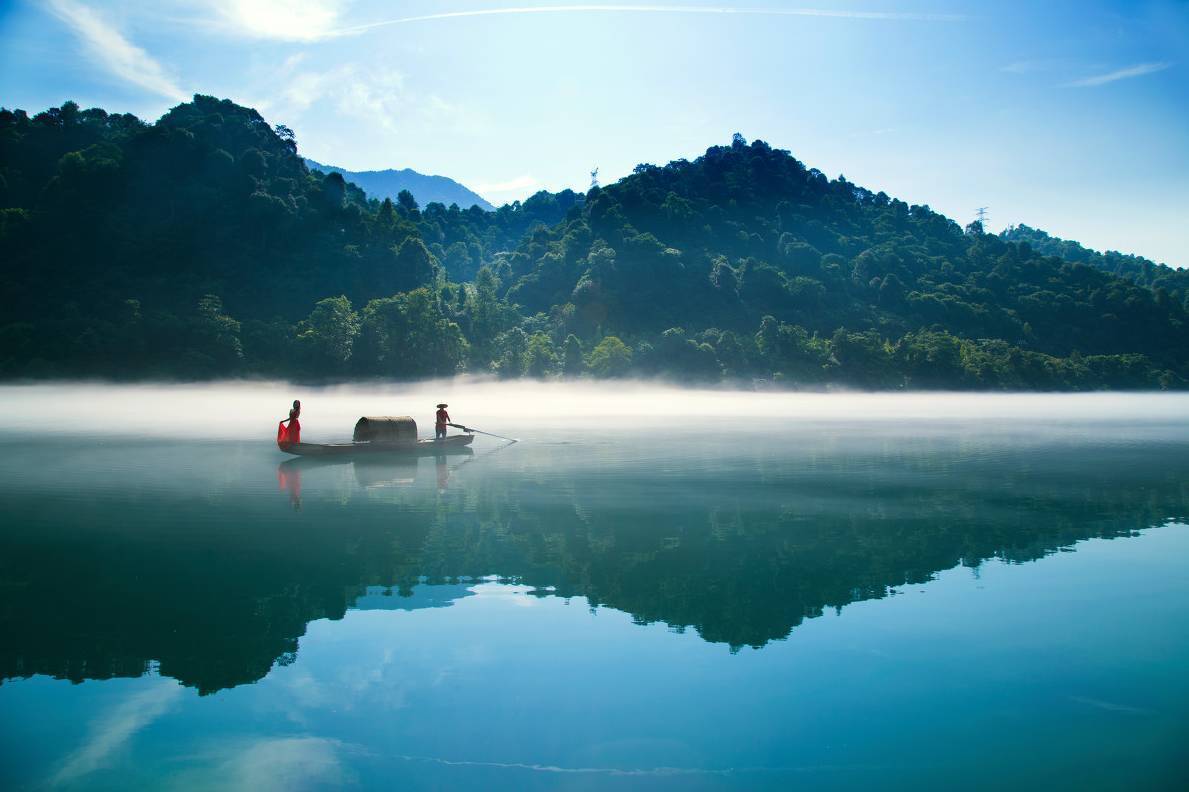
x=443, y=418
x=288, y=435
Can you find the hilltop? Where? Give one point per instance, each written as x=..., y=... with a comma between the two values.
x=202, y=245
x=1125, y=265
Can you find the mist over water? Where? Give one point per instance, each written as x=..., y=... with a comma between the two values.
x=246, y=410
x=655, y=588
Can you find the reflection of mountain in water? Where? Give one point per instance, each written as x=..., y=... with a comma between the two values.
x=216, y=588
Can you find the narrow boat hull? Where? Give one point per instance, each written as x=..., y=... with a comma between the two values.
x=456, y=444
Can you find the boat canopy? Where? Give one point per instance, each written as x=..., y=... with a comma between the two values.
x=385, y=429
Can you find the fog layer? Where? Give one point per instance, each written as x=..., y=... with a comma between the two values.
x=239, y=410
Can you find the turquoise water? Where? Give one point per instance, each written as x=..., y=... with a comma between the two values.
x=995, y=596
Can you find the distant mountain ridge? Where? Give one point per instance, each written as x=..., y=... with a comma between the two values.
x=425, y=188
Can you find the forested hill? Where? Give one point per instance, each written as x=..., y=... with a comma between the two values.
x=196, y=246
x=424, y=188
x=202, y=245
x=1135, y=268
x=747, y=259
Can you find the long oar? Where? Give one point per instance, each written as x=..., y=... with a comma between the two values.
x=469, y=430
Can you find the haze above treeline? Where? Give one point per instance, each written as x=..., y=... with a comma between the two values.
x=202, y=246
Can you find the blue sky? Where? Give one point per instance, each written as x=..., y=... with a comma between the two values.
x=1069, y=116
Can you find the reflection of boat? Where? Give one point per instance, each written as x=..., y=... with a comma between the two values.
x=456, y=444
x=371, y=470
x=374, y=471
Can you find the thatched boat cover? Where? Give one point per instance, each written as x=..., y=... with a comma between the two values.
x=386, y=429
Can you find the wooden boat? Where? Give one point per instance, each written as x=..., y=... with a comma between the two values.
x=455, y=444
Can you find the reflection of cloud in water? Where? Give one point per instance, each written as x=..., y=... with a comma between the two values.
x=285, y=764
x=112, y=731
x=268, y=763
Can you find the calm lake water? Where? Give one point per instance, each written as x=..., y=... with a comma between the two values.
x=652, y=590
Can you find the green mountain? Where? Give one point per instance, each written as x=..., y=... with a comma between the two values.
x=425, y=189
x=202, y=245
x=748, y=254
x=1134, y=268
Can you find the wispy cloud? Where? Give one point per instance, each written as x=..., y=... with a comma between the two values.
x=377, y=96
x=657, y=9
x=110, y=732
x=107, y=45
x=1138, y=70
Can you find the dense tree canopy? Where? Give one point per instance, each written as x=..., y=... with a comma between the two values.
x=202, y=246
x=1175, y=282
x=781, y=272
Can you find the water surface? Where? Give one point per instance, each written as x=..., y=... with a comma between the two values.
x=653, y=589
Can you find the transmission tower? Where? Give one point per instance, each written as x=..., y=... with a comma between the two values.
x=981, y=216
x=594, y=178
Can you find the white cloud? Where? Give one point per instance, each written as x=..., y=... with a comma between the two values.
x=287, y=20
x=111, y=732
x=115, y=52
x=375, y=96
x=1138, y=70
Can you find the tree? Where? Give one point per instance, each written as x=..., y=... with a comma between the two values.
x=414, y=266
x=540, y=358
x=287, y=136
x=864, y=359
x=215, y=344
x=573, y=364
x=931, y=359
x=408, y=335
x=406, y=203
x=610, y=358
x=334, y=192
x=731, y=355
x=327, y=336
x=511, y=347
x=457, y=262
x=791, y=351
x=486, y=317
x=386, y=217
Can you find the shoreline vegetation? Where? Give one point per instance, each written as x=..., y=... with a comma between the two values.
x=777, y=385
x=201, y=247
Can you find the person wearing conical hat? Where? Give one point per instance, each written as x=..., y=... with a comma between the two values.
x=441, y=419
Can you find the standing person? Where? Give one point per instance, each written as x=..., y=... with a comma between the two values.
x=290, y=435
x=294, y=423
x=440, y=420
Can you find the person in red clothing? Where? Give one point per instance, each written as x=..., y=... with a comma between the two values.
x=290, y=435
x=441, y=419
